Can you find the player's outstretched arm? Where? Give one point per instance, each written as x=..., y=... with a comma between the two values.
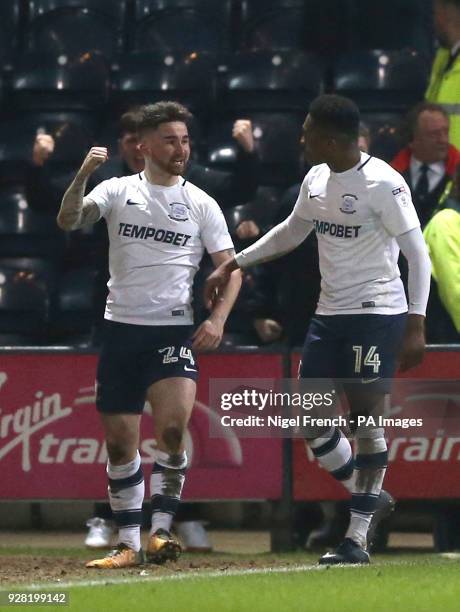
x=209, y=334
x=414, y=249
x=279, y=241
x=77, y=211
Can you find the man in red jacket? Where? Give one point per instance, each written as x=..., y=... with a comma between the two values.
x=428, y=162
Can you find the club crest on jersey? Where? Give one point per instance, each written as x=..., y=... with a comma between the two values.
x=178, y=212
x=348, y=203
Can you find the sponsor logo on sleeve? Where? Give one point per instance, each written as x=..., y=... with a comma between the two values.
x=401, y=195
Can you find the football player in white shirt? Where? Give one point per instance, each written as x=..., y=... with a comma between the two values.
x=362, y=212
x=159, y=225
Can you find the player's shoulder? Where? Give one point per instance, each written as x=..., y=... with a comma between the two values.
x=379, y=172
x=129, y=179
x=316, y=171
x=118, y=183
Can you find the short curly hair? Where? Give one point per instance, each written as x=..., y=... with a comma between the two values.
x=336, y=114
x=153, y=115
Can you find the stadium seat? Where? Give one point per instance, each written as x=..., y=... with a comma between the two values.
x=115, y=9
x=72, y=132
x=182, y=25
x=264, y=207
x=313, y=25
x=15, y=154
x=277, y=137
x=143, y=77
x=24, y=306
x=9, y=30
x=265, y=80
x=75, y=27
x=234, y=216
x=25, y=233
x=45, y=82
x=14, y=340
x=45, y=269
x=385, y=134
x=74, y=311
x=382, y=80
x=262, y=210
x=392, y=24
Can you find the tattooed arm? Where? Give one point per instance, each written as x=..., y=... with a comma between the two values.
x=77, y=211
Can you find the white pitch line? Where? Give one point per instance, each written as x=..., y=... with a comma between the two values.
x=179, y=576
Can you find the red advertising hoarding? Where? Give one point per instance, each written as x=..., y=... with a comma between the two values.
x=51, y=443
x=420, y=466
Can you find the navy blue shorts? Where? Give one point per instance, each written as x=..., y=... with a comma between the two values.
x=133, y=357
x=359, y=347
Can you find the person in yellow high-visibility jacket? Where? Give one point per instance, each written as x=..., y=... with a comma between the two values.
x=442, y=235
x=444, y=85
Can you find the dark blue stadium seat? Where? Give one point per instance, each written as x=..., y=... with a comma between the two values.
x=74, y=312
x=265, y=80
x=45, y=269
x=261, y=209
x=75, y=27
x=145, y=78
x=385, y=134
x=9, y=29
x=392, y=24
x=314, y=25
x=264, y=207
x=72, y=132
x=382, y=80
x=115, y=9
x=45, y=82
x=25, y=233
x=182, y=25
x=24, y=304
x=277, y=139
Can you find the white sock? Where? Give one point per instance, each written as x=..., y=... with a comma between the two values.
x=126, y=497
x=166, y=483
x=357, y=529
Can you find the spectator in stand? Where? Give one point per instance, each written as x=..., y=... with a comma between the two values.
x=444, y=86
x=428, y=164
x=428, y=161
x=442, y=235
x=46, y=187
x=364, y=140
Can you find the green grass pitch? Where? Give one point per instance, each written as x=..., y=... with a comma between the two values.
x=392, y=583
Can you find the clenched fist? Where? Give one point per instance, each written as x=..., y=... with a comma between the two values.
x=43, y=149
x=242, y=133
x=247, y=230
x=95, y=158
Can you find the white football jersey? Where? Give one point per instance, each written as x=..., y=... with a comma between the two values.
x=157, y=238
x=356, y=215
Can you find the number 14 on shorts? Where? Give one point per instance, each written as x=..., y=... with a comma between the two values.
x=372, y=359
x=170, y=357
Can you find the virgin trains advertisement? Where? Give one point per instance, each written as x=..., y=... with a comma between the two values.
x=51, y=441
